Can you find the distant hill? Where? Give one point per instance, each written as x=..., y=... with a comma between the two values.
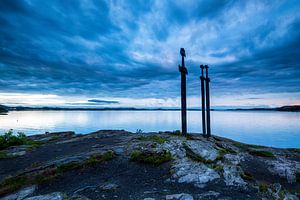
x=289, y=108
x=3, y=109
x=295, y=108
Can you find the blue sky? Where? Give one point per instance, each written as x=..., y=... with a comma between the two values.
x=126, y=53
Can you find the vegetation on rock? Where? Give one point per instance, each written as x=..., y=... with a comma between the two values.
x=151, y=157
x=261, y=153
x=14, y=183
x=10, y=139
x=154, y=138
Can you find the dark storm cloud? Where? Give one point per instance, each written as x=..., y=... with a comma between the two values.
x=130, y=49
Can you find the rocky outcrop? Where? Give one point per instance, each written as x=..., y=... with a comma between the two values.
x=104, y=164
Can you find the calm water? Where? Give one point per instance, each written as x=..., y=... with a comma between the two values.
x=277, y=129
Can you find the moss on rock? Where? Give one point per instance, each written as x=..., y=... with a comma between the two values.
x=151, y=157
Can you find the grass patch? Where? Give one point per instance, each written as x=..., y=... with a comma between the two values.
x=69, y=166
x=219, y=168
x=297, y=177
x=261, y=153
x=242, y=145
x=154, y=138
x=54, y=138
x=263, y=187
x=3, y=155
x=256, y=146
x=12, y=184
x=97, y=159
x=247, y=176
x=151, y=157
x=195, y=157
x=224, y=151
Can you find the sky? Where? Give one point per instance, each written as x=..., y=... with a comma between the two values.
x=94, y=53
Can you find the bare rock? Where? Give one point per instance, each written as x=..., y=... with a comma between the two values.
x=232, y=175
x=182, y=196
x=209, y=194
x=199, y=174
x=109, y=186
x=51, y=196
x=21, y=194
x=284, y=168
x=204, y=149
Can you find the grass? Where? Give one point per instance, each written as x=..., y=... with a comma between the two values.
x=242, y=145
x=297, y=177
x=154, y=138
x=54, y=138
x=261, y=153
x=263, y=187
x=3, y=155
x=69, y=166
x=151, y=157
x=12, y=184
x=224, y=151
x=97, y=159
x=219, y=168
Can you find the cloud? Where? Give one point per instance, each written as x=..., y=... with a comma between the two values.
x=120, y=49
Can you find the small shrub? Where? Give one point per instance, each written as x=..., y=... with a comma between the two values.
x=151, y=157
x=9, y=139
x=263, y=187
x=261, y=153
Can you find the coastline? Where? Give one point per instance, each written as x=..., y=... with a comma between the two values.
x=153, y=165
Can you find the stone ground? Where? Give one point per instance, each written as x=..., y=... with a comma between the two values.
x=201, y=168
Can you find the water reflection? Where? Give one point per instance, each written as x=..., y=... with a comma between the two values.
x=279, y=129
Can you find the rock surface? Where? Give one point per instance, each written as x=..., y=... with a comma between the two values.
x=99, y=165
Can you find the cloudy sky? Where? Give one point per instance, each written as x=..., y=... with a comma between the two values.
x=126, y=53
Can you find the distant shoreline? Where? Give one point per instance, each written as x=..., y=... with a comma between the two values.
x=21, y=108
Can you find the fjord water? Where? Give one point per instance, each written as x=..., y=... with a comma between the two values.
x=270, y=128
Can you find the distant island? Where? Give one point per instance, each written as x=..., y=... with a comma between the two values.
x=295, y=108
x=5, y=109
